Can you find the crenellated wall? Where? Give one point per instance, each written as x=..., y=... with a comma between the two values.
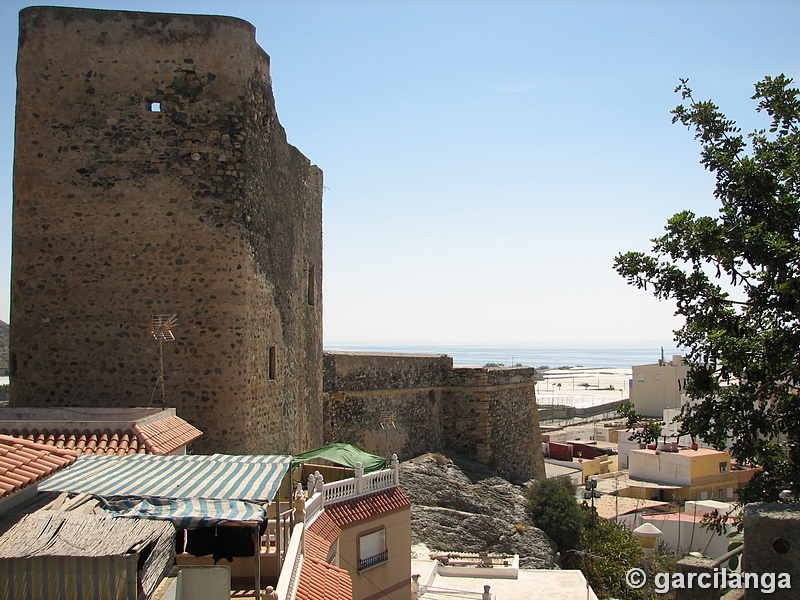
x=152, y=176
x=412, y=404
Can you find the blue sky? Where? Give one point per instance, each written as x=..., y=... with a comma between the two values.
x=485, y=161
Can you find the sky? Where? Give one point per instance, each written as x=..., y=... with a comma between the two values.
x=485, y=162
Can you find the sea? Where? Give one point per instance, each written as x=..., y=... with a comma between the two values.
x=612, y=355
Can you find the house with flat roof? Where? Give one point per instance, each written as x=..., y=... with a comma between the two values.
x=684, y=474
x=659, y=386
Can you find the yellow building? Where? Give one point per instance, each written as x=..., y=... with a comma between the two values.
x=689, y=474
x=658, y=386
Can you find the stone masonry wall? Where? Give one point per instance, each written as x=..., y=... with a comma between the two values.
x=152, y=176
x=488, y=415
x=384, y=403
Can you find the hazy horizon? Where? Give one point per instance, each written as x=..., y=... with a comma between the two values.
x=485, y=161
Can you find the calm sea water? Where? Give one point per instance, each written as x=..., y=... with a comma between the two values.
x=616, y=355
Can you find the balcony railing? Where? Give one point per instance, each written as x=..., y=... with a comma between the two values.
x=321, y=493
x=318, y=495
x=366, y=563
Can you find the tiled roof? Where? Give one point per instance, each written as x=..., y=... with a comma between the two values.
x=321, y=581
x=84, y=441
x=365, y=507
x=167, y=435
x=23, y=462
x=159, y=437
x=319, y=538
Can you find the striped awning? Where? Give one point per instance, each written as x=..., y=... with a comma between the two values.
x=216, y=476
x=188, y=513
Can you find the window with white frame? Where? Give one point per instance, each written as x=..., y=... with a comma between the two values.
x=372, y=549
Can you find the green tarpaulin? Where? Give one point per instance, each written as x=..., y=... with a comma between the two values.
x=344, y=455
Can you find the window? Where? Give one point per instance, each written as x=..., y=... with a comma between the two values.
x=272, y=362
x=312, y=286
x=640, y=378
x=372, y=549
x=723, y=467
x=720, y=494
x=658, y=376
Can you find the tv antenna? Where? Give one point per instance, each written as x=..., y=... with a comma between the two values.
x=161, y=330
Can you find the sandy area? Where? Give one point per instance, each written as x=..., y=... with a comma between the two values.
x=583, y=386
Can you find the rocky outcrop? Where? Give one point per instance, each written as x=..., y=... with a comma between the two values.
x=462, y=506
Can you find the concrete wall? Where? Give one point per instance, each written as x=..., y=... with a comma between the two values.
x=201, y=209
x=772, y=546
x=488, y=415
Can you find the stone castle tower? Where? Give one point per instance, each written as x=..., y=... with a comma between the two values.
x=152, y=176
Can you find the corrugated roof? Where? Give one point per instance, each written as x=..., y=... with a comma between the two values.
x=158, y=437
x=221, y=476
x=23, y=462
x=367, y=506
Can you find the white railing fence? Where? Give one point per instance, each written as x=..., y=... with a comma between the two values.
x=317, y=495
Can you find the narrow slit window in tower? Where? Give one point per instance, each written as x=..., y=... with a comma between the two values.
x=272, y=362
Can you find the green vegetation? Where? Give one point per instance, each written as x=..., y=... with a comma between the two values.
x=604, y=550
x=554, y=510
x=609, y=551
x=736, y=280
x=650, y=430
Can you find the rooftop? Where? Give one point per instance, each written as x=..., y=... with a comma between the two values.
x=367, y=506
x=108, y=432
x=530, y=583
x=23, y=463
x=684, y=452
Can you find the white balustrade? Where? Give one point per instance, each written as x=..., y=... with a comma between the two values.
x=292, y=565
x=314, y=507
x=360, y=484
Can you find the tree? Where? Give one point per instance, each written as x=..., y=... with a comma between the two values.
x=736, y=280
x=609, y=551
x=555, y=510
x=648, y=431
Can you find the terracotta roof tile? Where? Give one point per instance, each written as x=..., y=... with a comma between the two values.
x=319, y=538
x=166, y=435
x=23, y=462
x=160, y=437
x=365, y=507
x=321, y=581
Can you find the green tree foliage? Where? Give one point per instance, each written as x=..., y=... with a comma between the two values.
x=609, y=550
x=736, y=280
x=649, y=430
x=554, y=509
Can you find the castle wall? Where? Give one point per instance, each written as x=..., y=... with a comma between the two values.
x=384, y=403
x=199, y=208
x=490, y=415
x=485, y=414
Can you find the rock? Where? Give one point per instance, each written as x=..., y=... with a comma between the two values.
x=462, y=506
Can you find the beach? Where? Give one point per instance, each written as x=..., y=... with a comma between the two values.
x=582, y=387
